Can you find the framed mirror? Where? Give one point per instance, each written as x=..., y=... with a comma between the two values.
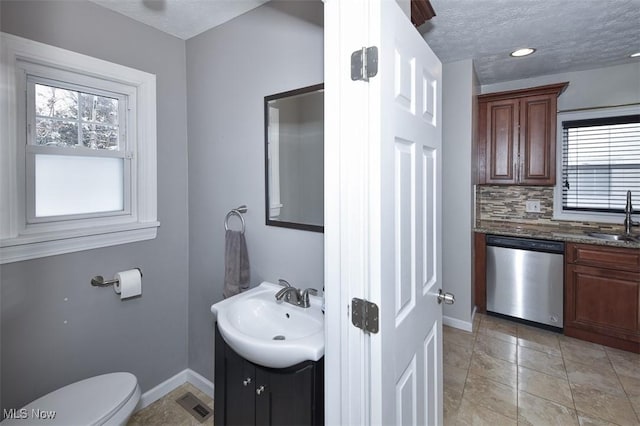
x=294, y=158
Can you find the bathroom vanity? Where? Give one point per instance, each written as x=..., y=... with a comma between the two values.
x=269, y=358
x=247, y=393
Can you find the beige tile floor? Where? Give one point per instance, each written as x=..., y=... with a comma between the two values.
x=505, y=373
x=167, y=412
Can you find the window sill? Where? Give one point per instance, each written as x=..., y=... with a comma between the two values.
x=609, y=218
x=44, y=244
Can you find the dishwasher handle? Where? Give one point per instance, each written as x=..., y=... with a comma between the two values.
x=525, y=244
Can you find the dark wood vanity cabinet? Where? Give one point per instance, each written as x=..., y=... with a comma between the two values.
x=517, y=136
x=602, y=295
x=249, y=394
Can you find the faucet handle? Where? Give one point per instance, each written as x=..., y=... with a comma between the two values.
x=305, y=296
x=283, y=283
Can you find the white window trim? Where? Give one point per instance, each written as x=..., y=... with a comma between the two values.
x=21, y=242
x=582, y=216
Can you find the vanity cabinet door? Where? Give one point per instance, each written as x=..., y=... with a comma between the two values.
x=286, y=396
x=248, y=394
x=234, y=399
x=240, y=392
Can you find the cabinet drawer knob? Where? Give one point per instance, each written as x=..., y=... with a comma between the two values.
x=260, y=390
x=246, y=381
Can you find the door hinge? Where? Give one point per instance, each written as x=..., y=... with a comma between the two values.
x=364, y=63
x=364, y=315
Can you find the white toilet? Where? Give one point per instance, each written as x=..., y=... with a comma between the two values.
x=109, y=399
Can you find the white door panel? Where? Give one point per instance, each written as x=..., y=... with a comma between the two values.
x=407, y=354
x=385, y=243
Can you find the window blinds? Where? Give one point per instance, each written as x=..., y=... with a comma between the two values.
x=601, y=162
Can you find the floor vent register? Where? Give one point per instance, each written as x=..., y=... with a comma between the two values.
x=195, y=406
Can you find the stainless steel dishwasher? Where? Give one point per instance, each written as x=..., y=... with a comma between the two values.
x=525, y=279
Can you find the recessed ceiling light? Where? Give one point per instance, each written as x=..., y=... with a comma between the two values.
x=522, y=52
x=635, y=55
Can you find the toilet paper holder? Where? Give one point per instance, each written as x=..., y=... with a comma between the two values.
x=99, y=281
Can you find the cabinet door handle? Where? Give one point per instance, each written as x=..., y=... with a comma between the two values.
x=246, y=381
x=260, y=390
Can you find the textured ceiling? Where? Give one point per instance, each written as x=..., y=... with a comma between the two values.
x=569, y=35
x=181, y=18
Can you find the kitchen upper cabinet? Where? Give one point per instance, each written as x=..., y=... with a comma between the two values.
x=517, y=136
x=602, y=295
x=502, y=118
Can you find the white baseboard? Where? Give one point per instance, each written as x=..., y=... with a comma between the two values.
x=200, y=382
x=187, y=375
x=456, y=323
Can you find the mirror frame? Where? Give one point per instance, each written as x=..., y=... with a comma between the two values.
x=267, y=99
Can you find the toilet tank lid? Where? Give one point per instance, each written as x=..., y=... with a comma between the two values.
x=88, y=402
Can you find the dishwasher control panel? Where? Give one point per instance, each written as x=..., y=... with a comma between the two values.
x=525, y=243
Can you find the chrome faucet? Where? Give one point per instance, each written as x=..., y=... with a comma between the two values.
x=290, y=295
x=293, y=295
x=628, y=210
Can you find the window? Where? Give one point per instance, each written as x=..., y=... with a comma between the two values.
x=600, y=162
x=79, y=152
x=76, y=150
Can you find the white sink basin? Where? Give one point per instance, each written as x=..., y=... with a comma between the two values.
x=270, y=333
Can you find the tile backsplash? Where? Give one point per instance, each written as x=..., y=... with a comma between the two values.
x=499, y=203
x=507, y=203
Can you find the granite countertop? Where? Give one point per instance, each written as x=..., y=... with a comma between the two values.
x=558, y=231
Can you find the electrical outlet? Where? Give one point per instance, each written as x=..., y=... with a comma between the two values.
x=532, y=206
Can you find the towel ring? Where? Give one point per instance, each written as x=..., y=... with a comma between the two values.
x=236, y=212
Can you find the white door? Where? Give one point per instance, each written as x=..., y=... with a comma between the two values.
x=382, y=219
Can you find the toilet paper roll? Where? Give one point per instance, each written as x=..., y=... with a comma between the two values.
x=129, y=283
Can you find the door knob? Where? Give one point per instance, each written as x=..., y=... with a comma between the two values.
x=260, y=390
x=247, y=381
x=447, y=298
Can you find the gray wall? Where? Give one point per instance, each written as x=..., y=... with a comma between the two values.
x=587, y=89
x=405, y=5
x=230, y=69
x=459, y=84
x=146, y=336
